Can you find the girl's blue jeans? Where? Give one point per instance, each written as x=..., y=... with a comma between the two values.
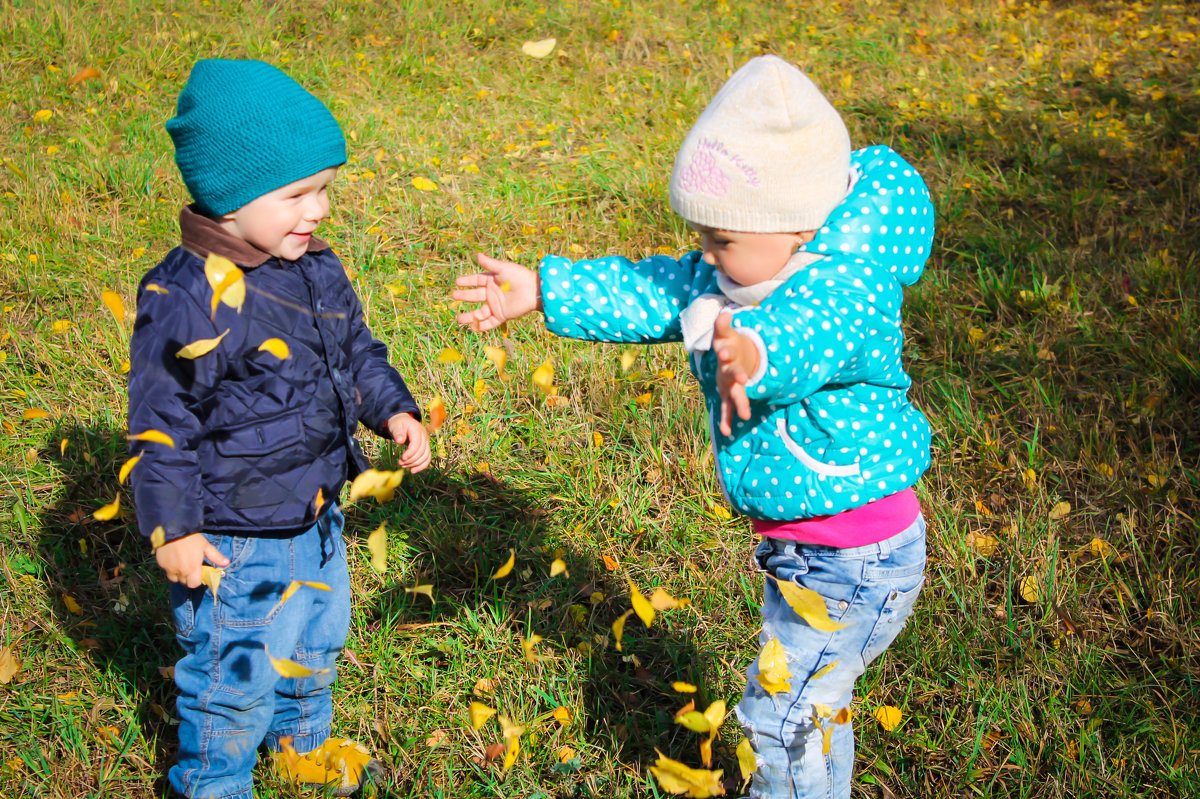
x=231, y=698
x=869, y=588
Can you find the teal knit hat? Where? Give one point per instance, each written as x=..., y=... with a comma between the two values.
x=244, y=128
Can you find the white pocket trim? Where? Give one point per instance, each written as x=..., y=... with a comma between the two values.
x=830, y=469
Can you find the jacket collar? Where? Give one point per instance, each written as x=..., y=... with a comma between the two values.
x=205, y=236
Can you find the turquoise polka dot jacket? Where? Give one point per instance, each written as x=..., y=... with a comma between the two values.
x=831, y=427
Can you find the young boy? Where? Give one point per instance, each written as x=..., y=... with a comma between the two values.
x=791, y=315
x=258, y=419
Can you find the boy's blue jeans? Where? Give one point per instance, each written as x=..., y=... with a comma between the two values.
x=870, y=588
x=231, y=699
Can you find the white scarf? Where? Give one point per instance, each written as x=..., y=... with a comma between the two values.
x=699, y=317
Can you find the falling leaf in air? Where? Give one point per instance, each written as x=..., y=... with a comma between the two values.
x=512, y=735
x=375, y=483
x=421, y=588
x=715, y=714
x=449, y=355
x=277, y=347
x=888, y=717
x=643, y=609
x=527, y=645
x=423, y=184
x=377, y=546
x=290, y=668
x=108, y=511
x=543, y=377
x=808, y=605
x=684, y=687
x=71, y=604
x=498, y=358
x=1031, y=591
x=674, y=777
x=695, y=721
x=87, y=73
x=773, y=671
x=155, y=436
x=557, y=567
x=436, y=415
x=227, y=281
x=157, y=289
x=618, y=627
x=9, y=665
x=1060, y=510
x=211, y=577
x=508, y=565
x=821, y=672
x=627, y=359
x=201, y=346
x=296, y=585
x=126, y=467
x=158, y=537
x=479, y=714
x=540, y=48
x=746, y=761
x=661, y=600
x=112, y=301
x=33, y=414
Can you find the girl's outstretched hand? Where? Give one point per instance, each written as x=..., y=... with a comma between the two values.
x=505, y=291
x=737, y=359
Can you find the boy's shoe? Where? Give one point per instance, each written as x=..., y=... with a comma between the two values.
x=340, y=762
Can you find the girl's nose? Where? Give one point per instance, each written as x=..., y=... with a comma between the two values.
x=710, y=258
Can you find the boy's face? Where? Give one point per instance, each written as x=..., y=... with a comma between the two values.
x=749, y=258
x=281, y=222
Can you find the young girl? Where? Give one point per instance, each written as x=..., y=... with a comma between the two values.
x=791, y=315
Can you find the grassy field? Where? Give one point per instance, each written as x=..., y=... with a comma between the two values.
x=1054, y=341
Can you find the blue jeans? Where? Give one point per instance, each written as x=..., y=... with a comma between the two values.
x=870, y=588
x=231, y=699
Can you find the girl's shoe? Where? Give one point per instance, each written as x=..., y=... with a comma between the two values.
x=340, y=762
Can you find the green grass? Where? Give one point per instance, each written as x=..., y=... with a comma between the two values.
x=1053, y=342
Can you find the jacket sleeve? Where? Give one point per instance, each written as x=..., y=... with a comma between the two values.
x=166, y=393
x=618, y=300
x=382, y=390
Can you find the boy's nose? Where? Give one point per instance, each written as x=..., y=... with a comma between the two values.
x=710, y=258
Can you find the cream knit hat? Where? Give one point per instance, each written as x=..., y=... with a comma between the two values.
x=768, y=155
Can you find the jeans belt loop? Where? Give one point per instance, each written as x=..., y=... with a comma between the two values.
x=885, y=549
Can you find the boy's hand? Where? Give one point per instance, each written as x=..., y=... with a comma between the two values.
x=737, y=359
x=505, y=291
x=406, y=430
x=182, y=558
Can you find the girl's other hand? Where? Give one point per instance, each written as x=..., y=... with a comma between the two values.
x=737, y=359
x=505, y=291
x=411, y=434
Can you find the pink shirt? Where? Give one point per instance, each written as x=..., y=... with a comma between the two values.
x=866, y=524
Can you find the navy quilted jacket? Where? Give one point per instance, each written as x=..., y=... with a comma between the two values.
x=255, y=436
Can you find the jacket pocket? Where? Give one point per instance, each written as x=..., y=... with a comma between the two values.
x=828, y=469
x=260, y=437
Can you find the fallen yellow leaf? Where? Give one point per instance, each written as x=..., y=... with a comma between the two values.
x=562, y=715
x=1031, y=591
x=419, y=588
x=9, y=665
x=540, y=48
x=527, y=645
x=1060, y=510
x=201, y=346
x=423, y=184
x=449, y=355
x=32, y=414
x=888, y=717
x=498, y=357
x=479, y=714
x=557, y=567
x=73, y=606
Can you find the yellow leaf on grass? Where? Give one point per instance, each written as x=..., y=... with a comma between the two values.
x=562, y=715
x=643, y=400
x=436, y=415
x=113, y=302
x=423, y=184
x=87, y=73
x=201, y=346
x=1030, y=590
x=618, y=627
x=773, y=671
x=479, y=714
x=449, y=355
x=661, y=600
x=33, y=414
x=1060, y=510
x=674, y=777
x=126, y=467
x=43, y=114
x=375, y=483
x=557, y=567
x=277, y=347
x=108, y=511
x=627, y=359
x=808, y=605
x=746, y=760
x=290, y=668
x=684, y=687
x=888, y=717
x=71, y=604
x=508, y=565
x=540, y=48
x=543, y=377
x=227, y=281
x=211, y=577
x=643, y=609
x=377, y=546
x=1101, y=548
x=9, y=665
x=985, y=545
x=158, y=537
x=61, y=325
x=155, y=436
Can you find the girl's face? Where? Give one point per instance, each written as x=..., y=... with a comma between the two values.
x=281, y=222
x=749, y=258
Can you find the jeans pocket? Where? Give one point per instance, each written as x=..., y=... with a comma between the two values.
x=895, y=612
x=184, y=603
